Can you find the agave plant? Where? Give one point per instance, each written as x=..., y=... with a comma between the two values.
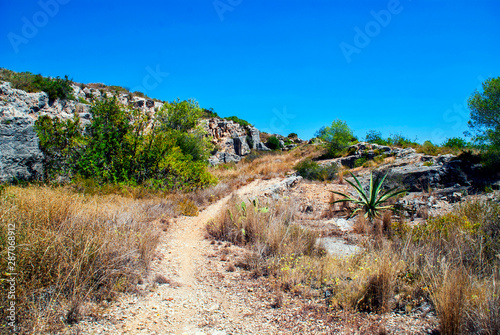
x=371, y=202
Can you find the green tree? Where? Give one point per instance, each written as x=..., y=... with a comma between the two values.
x=273, y=143
x=373, y=136
x=108, y=150
x=61, y=143
x=456, y=143
x=180, y=115
x=338, y=137
x=124, y=145
x=485, y=114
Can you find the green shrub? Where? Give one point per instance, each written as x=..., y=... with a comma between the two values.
x=273, y=143
x=338, y=137
x=237, y=120
x=456, y=143
x=429, y=149
x=82, y=101
x=115, y=149
x=375, y=137
x=360, y=161
x=401, y=141
x=309, y=169
x=209, y=113
x=54, y=87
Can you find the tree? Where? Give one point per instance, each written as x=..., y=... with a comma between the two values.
x=485, y=114
x=456, y=143
x=180, y=115
x=338, y=137
x=373, y=136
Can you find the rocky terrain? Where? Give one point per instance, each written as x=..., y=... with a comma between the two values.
x=21, y=158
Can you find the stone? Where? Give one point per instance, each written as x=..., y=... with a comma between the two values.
x=232, y=138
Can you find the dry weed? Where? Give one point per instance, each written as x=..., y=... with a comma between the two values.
x=71, y=249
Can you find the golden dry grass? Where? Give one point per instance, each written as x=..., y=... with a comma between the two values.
x=71, y=249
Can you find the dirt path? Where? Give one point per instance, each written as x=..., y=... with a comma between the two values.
x=199, y=297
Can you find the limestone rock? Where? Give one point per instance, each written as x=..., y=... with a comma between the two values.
x=232, y=140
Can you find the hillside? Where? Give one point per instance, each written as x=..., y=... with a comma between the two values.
x=21, y=157
x=163, y=218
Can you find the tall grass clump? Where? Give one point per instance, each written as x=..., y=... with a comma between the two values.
x=70, y=249
x=455, y=258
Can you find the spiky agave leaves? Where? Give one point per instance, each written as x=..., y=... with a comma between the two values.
x=371, y=202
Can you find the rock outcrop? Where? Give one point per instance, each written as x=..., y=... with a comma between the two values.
x=414, y=171
x=21, y=158
x=232, y=140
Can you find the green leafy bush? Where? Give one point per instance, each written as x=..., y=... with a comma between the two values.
x=237, y=120
x=54, y=87
x=209, y=113
x=116, y=148
x=337, y=137
x=273, y=143
x=401, y=141
x=311, y=170
x=375, y=137
x=456, y=143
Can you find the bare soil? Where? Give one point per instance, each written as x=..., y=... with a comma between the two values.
x=194, y=287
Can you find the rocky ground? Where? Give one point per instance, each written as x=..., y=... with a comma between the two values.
x=194, y=286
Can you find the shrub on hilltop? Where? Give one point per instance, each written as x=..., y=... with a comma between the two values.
x=54, y=87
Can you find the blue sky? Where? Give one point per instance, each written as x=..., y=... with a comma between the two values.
x=403, y=66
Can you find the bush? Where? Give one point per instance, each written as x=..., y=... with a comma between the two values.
x=237, y=120
x=54, y=87
x=337, y=137
x=455, y=143
x=273, y=143
x=311, y=170
x=401, y=141
x=115, y=149
x=429, y=149
x=209, y=113
x=375, y=137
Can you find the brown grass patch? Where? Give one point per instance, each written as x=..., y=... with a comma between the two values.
x=71, y=249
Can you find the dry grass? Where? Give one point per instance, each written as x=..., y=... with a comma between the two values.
x=71, y=249
x=449, y=265
x=265, y=166
x=450, y=298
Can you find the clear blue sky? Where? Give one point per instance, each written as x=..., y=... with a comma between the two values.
x=286, y=66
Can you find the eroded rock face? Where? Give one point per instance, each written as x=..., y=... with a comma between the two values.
x=232, y=140
x=20, y=156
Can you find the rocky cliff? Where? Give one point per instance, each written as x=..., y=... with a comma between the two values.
x=232, y=140
x=21, y=158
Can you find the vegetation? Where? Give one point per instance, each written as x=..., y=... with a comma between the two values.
x=449, y=264
x=71, y=249
x=311, y=170
x=397, y=140
x=267, y=230
x=485, y=119
x=209, y=113
x=273, y=143
x=371, y=202
x=237, y=120
x=337, y=137
x=455, y=143
x=56, y=88
x=116, y=148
